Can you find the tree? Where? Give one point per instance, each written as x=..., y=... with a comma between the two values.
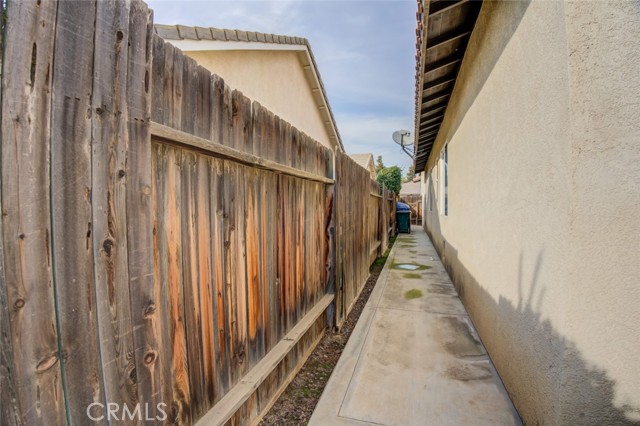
x=391, y=178
x=379, y=164
x=410, y=174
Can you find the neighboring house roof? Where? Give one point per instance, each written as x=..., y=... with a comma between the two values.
x=202, y=38
x=442, y=36
x=410, y=188
x=364, y=160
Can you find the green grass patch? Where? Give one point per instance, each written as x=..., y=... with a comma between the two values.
x=414, y=293
x=378, y=264
x=307, y=392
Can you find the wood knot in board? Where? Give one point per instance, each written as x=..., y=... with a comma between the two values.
x=47, y=362
x=150, y=310
x=19, y=304
x=133, y=376
x=150, y=358
x=106, y=246
x=240, y=355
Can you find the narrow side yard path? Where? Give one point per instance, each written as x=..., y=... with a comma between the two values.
x=414, y=357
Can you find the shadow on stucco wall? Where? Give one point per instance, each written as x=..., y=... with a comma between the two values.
x=547, y=378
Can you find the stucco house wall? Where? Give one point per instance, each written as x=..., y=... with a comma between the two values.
x=542, y=232
x=274, y=78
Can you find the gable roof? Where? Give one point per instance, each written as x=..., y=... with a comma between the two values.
x=211, y=38
x=362, y=159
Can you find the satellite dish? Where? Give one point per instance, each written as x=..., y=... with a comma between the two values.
x=403, y=138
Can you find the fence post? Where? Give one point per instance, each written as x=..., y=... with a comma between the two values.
x=330, y=236
x=392, y=200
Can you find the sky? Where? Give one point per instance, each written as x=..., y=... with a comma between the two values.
x=365, y=51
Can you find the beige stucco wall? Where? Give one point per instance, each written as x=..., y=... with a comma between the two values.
x=543, y=233
x=276, y=79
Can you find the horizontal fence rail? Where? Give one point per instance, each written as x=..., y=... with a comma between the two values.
x=166, y=242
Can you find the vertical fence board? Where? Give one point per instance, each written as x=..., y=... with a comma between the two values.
x=271, y=253
x=157, y=80
x=222, y=332
x=190, y=279
x=168, y=82
x=259, y=130
x=8, y=398
x=254, y=296
x=72, y=245
x=281, y=253
x=203, y=103
x=234, y=263
x=170, y=232
x=189, y=94
x=226, y=115
x=108, y=196
x=176, y=390
x=146, y=337
x=159, y=170
x=177, y=104
x=26, y=112
x=206, y=284
x=220, y=112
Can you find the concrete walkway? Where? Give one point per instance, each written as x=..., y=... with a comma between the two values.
x=414, y=357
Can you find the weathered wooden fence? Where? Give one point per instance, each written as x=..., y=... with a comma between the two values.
x=362, y=229
x=166, y=243
x=415, y=202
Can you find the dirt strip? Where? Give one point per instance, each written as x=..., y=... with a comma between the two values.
x=296, y=404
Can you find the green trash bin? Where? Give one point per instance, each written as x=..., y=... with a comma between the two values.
x=403, y=217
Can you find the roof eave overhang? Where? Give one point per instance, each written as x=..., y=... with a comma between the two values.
x=444, y=29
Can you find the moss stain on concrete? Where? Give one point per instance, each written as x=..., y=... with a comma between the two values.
x=414, y=293
x=411, y=276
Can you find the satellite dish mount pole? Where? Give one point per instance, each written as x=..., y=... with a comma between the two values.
x=399, y=138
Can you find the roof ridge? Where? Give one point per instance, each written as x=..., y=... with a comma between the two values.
x=185, y=32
